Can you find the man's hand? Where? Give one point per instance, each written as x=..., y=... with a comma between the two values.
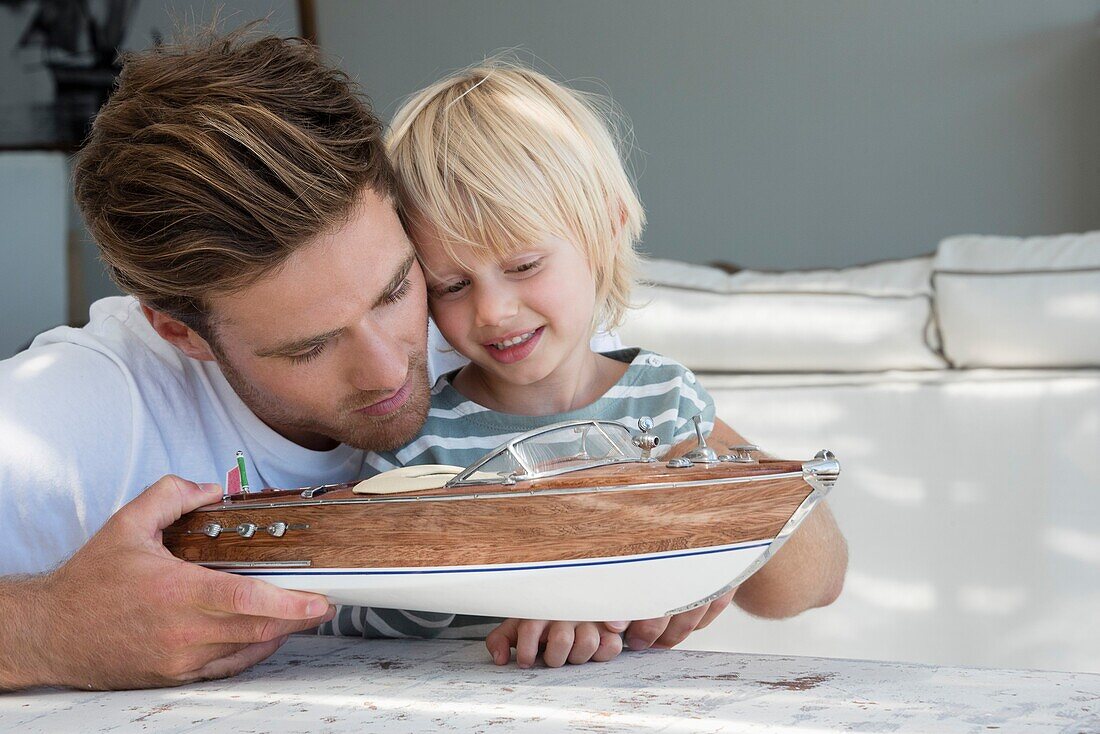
x=560, y=642
x=124, y=613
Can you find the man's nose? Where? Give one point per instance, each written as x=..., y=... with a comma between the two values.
x=494, y=303
x=380, y=361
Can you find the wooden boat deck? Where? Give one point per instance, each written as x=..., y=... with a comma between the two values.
x=545, y=520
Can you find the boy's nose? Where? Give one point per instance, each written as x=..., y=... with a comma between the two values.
x=495, y=305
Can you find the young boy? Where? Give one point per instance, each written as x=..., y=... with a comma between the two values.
x=524, y=221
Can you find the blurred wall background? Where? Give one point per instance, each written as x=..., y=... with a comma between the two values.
x=23, y=79
x=796, y=133
x=36, y=249
x=767, y=133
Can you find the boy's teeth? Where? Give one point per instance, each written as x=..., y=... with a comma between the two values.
x=514, y=340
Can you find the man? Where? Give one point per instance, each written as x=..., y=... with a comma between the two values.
x=240, y=193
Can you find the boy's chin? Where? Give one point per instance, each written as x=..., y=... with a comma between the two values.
x=524, y=372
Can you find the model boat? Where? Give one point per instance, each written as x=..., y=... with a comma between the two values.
x=575, y=521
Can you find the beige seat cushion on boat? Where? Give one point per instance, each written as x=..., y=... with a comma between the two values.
x=408, y=479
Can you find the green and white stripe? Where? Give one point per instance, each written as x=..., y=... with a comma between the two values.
x=459, y=431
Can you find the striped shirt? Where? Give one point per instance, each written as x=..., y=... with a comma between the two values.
x=458, y=431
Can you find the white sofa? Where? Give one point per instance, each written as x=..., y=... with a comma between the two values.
x=961, y=393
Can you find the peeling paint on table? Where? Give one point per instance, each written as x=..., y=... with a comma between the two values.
x=323, y=684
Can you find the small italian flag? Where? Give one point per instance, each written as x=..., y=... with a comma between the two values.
x=236, y=479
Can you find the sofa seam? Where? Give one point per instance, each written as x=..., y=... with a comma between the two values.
x=1036, y=271
x=884, y=296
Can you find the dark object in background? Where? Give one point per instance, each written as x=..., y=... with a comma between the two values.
x=727, y=267
x=80, y=47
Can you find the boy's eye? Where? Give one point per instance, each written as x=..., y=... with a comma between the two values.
x=309, y=356
x=450, y=289
x=527, y=266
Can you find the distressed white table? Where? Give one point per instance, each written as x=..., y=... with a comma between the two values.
x=317, y=684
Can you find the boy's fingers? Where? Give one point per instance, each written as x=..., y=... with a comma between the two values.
x=716, y=607
x=559, y=642
x=501, y=640
x=642, y=634
x=679, y=627
x=586, y=640
x=611, y=644
x=529, y=636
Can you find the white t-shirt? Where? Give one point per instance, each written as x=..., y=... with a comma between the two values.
x=89, y=417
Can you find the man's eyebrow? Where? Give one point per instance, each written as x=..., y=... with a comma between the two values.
x=396, y=281
x=298, y=345
x=302, y=345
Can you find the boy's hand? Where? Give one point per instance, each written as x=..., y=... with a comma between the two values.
x=667, y=632
x=560, y=642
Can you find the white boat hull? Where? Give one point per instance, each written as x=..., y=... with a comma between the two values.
x=626, y=587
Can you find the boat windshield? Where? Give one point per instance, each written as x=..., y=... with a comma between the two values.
x=556, y=449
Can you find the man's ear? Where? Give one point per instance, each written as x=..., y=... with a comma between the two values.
x=179, y=335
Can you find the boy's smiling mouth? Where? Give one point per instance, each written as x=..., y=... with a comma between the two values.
x=512, y=341
x=515, y=347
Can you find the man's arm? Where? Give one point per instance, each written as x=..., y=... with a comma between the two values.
x=125, y=613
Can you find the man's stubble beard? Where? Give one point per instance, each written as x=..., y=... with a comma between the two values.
x=370, y=433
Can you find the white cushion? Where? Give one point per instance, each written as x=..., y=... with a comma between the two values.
x=867, y=318
x=1011, y=302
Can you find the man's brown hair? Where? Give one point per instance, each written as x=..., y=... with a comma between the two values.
x=215, y=159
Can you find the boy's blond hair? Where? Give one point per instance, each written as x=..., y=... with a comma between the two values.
x=497, y=156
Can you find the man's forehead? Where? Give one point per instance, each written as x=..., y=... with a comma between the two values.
x=339, y=273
